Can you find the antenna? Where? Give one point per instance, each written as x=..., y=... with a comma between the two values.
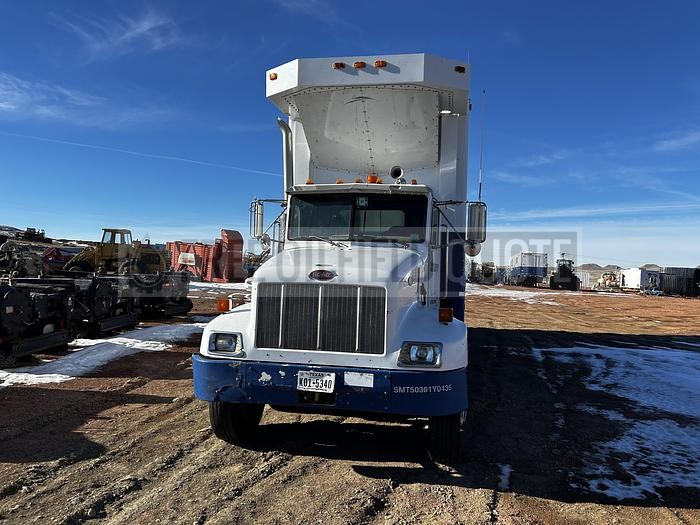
x=481, y=152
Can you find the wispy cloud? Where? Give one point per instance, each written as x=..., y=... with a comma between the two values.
x=322, y=10
x=683, y=141
x=140, y=153
x=521, y=179
x=595, y=211
x=542, y=159
x=108, y=38
x=22, y=99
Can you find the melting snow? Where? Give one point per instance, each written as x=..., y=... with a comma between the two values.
x=660, y=447
x=94, y=353
x=526, y=296
x=504, y=472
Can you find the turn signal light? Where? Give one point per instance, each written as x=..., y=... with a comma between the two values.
x=372, y=179
x=359, y=64
x=273, y=76
x=309, y=181
x=445, y=315
x=380, y=63
x=338, y=65
x=223, y=305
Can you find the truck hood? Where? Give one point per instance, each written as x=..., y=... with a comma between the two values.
x=362, y=265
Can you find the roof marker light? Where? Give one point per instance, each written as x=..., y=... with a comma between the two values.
x=359, y=64
x=339, y=181
x=359, y=180
x=372, y=178
x=380, y=63
x=309, y=181
x=414, y=181
x=338, y=65
x=273, y=76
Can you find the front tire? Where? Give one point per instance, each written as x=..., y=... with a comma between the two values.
x=234, y=422
x=445, y=443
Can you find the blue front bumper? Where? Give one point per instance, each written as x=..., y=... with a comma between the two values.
x=393, y=392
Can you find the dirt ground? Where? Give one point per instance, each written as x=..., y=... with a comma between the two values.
x=130, y=444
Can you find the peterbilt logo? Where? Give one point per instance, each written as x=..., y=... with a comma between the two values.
x=322, y=275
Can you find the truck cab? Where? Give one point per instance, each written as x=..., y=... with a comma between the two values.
x=361, y=310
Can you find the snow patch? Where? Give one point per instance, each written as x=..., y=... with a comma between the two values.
x=91, y=354
x=504, y=472
x=660, y=447
x=526, y=296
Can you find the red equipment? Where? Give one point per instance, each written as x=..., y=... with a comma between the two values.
x=221, y=262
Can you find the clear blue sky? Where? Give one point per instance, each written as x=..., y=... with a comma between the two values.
x=149, y=115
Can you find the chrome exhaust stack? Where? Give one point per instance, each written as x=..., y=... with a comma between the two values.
x=287, y=154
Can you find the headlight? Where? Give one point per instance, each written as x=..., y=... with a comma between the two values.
x=420, y=354
x=227, y=344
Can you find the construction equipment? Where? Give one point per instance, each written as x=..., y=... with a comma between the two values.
x=607, y=281
x=18, y=260
x=117, y=253
x=564, y=277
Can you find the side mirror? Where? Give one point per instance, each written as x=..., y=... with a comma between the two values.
x=257, y=219
x=476, y=222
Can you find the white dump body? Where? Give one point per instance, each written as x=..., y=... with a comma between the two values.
x=349, y=122
x=639, y=279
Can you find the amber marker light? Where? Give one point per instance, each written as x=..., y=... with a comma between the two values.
x=273, y=76
x=338, y=65
x=380, y=63
x=445, y=315
x=372, y=178
x=339, y=181
x=223, y=305
x=359, y=64
x=414, y=181
x=309, y=181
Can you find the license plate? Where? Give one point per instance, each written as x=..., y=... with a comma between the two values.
x=311, y=381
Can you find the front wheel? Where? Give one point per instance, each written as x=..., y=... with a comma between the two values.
x=234, y=422
x=444, y=437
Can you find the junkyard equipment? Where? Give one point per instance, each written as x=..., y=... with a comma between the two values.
x=527, y=269
x=362, y=311
x=218, y=262
x=117, y=253
x=564, y=277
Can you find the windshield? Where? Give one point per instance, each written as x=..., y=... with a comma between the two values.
x=382, y=218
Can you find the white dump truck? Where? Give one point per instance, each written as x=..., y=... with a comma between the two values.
x=360, y=312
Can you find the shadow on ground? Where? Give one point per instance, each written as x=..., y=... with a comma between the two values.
x=515, y=420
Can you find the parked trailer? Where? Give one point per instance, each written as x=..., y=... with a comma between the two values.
x=527, y=269
x=639, y=279
x=680, y=281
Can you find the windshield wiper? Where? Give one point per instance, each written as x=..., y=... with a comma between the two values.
x=329, y=241
x=381, y=238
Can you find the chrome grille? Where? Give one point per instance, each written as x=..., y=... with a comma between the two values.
x=326, y=317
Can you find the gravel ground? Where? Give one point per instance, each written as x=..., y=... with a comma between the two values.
x=130, y=444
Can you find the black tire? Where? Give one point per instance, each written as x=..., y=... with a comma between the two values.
x=80, y=266
x=445, y=442
x=234, y=422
